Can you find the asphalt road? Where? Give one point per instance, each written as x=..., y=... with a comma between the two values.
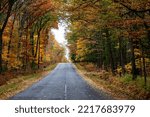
x=63, y=83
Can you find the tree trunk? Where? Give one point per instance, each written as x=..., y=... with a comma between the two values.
x=1, y=35
x=122, y=62
x=39, y=50
x=20, y=33
x=32, y=48
x=148, y=32
x=144, y=66
x=110, y=53
x=26, y=51
x=37, y=45
x=134, y=74
x=1, y=46
x=10, y=40
x=19, y=43
x=32, y=42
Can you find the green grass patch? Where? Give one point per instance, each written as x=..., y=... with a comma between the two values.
x=32, y=76
x=139, y=82
x=51, y=67
x=8, y=87
x=126, y=78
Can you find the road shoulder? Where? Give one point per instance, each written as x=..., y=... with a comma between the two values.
x=94, y=85
x=20, y=83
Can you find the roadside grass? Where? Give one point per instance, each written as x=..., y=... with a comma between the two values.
x=118, y=87
x=127, y=78
x=22, y=82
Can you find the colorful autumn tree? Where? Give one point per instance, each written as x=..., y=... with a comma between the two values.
x=119, y=31
x=25, y=27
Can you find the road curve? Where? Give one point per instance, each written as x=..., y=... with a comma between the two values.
x=63, y=83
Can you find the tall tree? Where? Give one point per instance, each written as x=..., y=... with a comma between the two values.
x=4, y=5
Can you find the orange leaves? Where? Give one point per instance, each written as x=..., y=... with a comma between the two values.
x=40, y=6
x=55, y=25
x=25, y=38
x=37, y=9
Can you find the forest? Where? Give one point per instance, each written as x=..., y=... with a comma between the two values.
x=114, y=35
x=111, y=36
x=26, y=42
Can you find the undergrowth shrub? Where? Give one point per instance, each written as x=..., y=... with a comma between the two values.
x=104, y=75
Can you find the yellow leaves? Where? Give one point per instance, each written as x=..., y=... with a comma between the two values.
x=6, y=34
x=137, y=52
x=4, y=55
x=128, y=68
x=14, y=63
x=139, y=64
x=21, y=44
x=35, y=36
x=76, y=25
x=147, y=60
x=119, y=70
x=56, y=4
x=82, y=49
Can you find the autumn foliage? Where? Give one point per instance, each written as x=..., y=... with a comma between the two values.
x=26, y=42
x=114, y=35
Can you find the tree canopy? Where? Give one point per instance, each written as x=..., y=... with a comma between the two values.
x=112, y=34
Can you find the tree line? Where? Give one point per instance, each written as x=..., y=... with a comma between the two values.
x=112, y=34
x=25, y=37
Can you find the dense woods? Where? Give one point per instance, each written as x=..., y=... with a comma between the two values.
x=26, y=42
x=111, y=35
x=114, y=35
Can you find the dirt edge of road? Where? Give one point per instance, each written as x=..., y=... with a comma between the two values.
x=94, y=85
x=21, y=83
